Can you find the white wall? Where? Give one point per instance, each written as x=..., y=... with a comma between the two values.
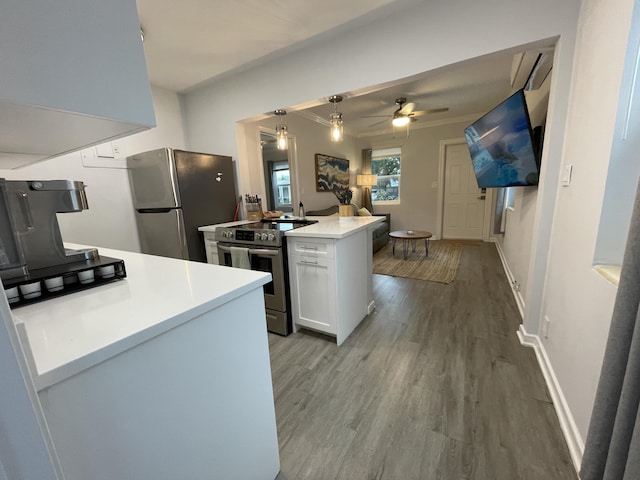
x=578, y=301
x=418, y=208
x=624, y=169
x=516, y=241
x=307, y=139
x=109, y=221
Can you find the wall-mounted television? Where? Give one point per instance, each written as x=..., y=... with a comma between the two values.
x=502, y=147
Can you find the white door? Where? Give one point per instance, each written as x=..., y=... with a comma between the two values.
x=463, y=215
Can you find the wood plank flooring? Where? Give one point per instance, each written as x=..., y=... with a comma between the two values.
x=432, y=385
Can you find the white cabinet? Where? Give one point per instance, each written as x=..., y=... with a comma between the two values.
x=313, y=281
x=211, y=248
x=329, y=282
x=73, y=75
x=193, y=402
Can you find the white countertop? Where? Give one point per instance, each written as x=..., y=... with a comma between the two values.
x=73, y=332
x=334, y=226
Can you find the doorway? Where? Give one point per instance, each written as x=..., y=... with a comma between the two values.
x=277, y=175
x=464, y=209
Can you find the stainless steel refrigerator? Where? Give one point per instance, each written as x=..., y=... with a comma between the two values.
x=175, y=192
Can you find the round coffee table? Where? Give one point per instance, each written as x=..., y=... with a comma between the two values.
x=410, y=237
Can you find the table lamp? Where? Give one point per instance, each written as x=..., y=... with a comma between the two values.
x=367, y=180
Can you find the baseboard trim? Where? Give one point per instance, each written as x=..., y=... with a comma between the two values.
x=516, y=293
x=371, y=307
x=567, y=423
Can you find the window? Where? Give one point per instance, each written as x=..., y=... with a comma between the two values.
x=282, y=185
x=386, y=164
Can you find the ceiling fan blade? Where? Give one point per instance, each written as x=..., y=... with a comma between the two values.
x=407, y=109
x=378, y=123
x=428, y=112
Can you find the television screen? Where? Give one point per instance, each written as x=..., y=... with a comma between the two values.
x=501, y=147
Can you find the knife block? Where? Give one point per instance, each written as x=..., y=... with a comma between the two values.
x=254, y=211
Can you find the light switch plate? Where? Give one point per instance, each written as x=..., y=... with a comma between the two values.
x=104, y=150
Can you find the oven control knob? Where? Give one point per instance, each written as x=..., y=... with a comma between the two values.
x=272, y=237
x=261, y=236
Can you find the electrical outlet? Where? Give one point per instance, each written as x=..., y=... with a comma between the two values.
x=116, y=150
x=545, y=327
x=434, y=184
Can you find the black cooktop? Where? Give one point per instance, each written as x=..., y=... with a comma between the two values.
x=279, y=224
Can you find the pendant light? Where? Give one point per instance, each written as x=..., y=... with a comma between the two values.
x=282, y=142
x=335, y=120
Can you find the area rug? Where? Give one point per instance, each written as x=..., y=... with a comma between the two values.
x=440, y=266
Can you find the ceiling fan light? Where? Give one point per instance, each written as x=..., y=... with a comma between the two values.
x=400, y=121
x=336, y=127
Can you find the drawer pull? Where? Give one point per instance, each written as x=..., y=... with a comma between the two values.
x=306, y=262
x=304, y=247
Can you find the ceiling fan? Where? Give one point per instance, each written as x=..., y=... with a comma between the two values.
x=404, y=113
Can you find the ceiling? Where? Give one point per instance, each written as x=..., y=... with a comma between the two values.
x=193, y=41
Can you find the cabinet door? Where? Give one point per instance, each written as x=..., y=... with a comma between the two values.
x=211, y=248
x=73, y=75
x=313, y=295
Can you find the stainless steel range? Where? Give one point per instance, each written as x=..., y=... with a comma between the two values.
x=262, y=246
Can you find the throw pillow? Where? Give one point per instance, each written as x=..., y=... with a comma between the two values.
x=363, y=212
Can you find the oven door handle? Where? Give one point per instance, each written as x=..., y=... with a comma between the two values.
x=263, y=252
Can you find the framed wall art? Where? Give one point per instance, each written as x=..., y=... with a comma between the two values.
x=332, y=174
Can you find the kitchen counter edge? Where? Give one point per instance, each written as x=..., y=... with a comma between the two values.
x=334, y=226
x=51, y=331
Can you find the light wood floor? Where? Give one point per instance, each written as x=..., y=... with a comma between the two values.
x=432, y=385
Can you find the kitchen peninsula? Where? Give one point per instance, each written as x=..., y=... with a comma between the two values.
x=330, y=270
x=162, y=375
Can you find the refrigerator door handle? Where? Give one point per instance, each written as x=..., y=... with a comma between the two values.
x=182, y=234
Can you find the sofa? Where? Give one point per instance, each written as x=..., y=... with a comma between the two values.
x=380, y=236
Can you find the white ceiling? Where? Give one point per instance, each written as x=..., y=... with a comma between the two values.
x=190, y=41
x=193, y=41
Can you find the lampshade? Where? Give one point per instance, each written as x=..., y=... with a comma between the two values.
x=335, y=120
x=282, y=142
x=366, y=179
x=335, y=124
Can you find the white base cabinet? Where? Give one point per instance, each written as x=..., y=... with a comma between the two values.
x=195, y=402
x=211, y=248
x=329, y=282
